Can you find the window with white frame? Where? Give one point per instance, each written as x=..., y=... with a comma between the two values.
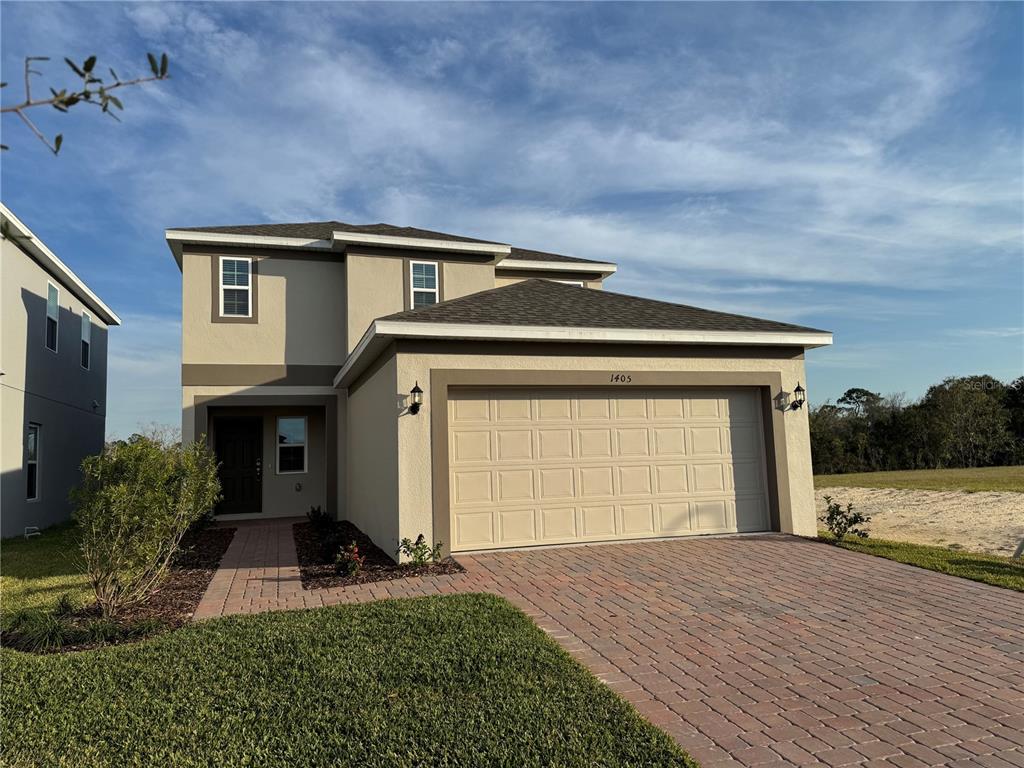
x=52, y=315
x=291, y=445
x=235, y=287
x=423, y=283
x=32, y=462
x=86, y=340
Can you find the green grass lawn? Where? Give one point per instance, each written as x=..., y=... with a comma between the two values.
x=979, y=479
x=463, y=680
x=990, y=569
x=37, y=571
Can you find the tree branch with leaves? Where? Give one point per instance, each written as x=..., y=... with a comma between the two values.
x=94, y=90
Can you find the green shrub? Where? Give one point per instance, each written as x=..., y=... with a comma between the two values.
x=137, y=499
x=43, y=631
x=841, y=522
x=419, y=552
x=65, y=605
x=349, y=561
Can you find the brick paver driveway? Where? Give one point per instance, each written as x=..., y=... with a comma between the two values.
x=762, y=650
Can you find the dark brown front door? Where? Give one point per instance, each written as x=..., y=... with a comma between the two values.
x=238, y=443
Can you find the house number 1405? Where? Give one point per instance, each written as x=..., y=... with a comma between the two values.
x=621, y=378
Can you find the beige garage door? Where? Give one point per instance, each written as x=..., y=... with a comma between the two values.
x=547, y=466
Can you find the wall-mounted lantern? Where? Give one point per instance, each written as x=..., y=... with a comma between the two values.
x=417, y=399
x=784, y=403
x=799, y=397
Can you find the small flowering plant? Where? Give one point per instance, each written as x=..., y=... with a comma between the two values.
x=349, y=561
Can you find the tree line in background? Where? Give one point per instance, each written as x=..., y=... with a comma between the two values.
x=970, y=421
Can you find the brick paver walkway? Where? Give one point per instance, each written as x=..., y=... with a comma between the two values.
x=750, y=651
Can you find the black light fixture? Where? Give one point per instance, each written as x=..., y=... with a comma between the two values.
x=799, y=394
x=417, y=399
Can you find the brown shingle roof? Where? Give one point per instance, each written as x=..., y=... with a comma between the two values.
x=323, y=230
x=547, y=303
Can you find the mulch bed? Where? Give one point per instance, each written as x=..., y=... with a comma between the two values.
x=192, y=569
x=170, y=605
x=316, y=558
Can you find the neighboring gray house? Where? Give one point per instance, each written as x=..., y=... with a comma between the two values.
x=53, y=379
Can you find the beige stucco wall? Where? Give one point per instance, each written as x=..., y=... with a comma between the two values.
x=280, y=495
x=300, y=307
x=373, y=484
x=415, y=501
x=47, y=388
x=464, y=278
x=378, y=285
x=375, y=289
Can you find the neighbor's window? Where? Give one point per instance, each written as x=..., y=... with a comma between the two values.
x=423, y=275
x=235, y=287
x=291, y=445
x=86, y=339
x=32, y=462
x=52, y=313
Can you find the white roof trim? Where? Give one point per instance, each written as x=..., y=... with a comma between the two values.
x=28, y=240
x=426, y=243
x=605, y=267
x=380, y=330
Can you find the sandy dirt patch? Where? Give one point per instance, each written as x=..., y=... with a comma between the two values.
x=986, y=521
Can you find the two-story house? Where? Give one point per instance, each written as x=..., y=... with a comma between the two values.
x=484, y=395
x=53, y=379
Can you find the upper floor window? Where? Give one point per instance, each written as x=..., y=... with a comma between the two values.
x=423, y=283
x=235, y=287
x=52, y=315
x=32, y=462
x=86, y=340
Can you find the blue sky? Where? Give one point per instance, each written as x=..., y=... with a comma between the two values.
x=850, y=167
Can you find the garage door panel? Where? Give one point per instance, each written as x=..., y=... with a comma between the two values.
x=514, y=445
x=670, y=408
x=464, y=409
x=747, y=477
x=471, y=446
x=514, y=409
x=670, y=479
x=705, y=441
x=596, y=482
x=674, y=517
x=595, y=443
x=554, y=444
x=592, y=408
x=554, y=409
x=559, y=524
x=743, y=441
x=517, y=526
x=631, y=442
x=534, y=466
x=472, y=487
x=630, y=408
x=635, y=481
x=474, y=530
x=557, y=483
x=515, y=485
x=751, y=513
x=704, y=407
x=669, y=441
x=711, y=515
x=598, y=520
x=708, y=478
x=637, y=518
